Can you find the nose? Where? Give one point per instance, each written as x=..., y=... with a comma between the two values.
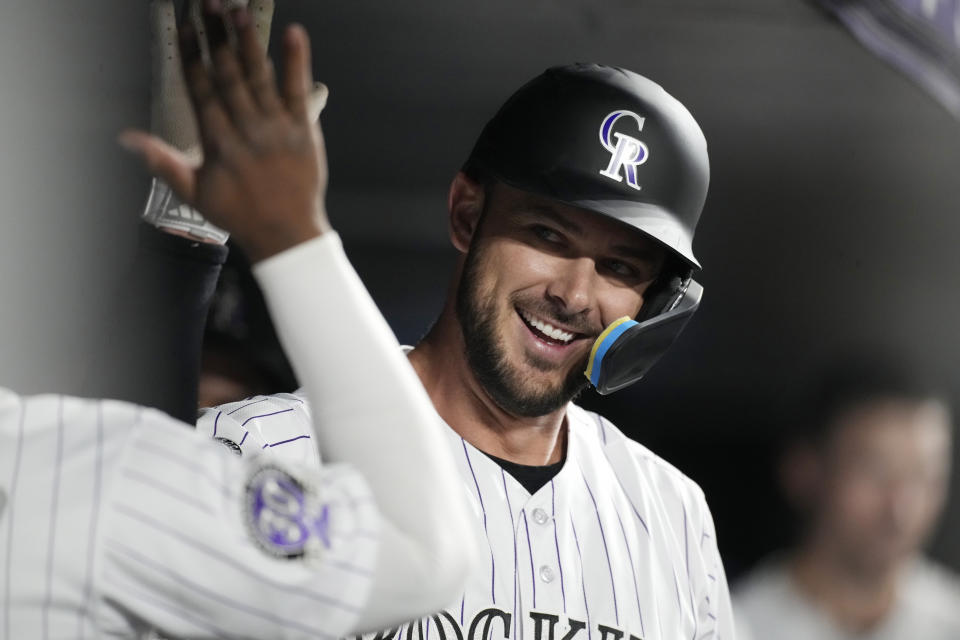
x=574, y=285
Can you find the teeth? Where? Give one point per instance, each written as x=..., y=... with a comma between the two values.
x=547, y=329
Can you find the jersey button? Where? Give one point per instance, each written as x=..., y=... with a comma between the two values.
x=540, y=516
x=546, y=573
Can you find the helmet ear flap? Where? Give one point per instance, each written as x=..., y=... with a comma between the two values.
x=666, y=292
x=627, y=349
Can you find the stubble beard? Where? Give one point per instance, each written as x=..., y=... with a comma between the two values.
x=503, y=382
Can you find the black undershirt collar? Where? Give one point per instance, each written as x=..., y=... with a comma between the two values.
x=532, y=477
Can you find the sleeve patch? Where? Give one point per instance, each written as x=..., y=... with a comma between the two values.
x=285, y=518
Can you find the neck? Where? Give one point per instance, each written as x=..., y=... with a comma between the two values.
x=856, y=601
x=441, y=363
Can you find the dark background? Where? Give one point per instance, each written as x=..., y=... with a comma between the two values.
x=831, y=220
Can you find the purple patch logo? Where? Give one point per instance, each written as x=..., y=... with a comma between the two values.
x=285, y=519
x=627, y=153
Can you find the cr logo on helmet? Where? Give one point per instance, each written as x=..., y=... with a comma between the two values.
x=627, y=153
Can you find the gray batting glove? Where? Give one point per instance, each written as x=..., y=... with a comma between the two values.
x=172, y=118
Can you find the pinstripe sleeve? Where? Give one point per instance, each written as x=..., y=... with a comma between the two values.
x=712, y=595
x=199, y=542
x=279, y=424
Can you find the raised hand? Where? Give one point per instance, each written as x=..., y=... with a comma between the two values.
x=264, y=172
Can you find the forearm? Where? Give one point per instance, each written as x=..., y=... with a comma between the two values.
x=370, y=410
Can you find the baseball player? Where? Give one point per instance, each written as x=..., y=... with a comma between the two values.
x=116, y=520
x=574, y=216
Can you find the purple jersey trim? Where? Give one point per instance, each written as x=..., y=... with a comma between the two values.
x=513, y=532
x=556, y=541
x=636, y=512
x=603, y=431
x=676, y=587
x=583, y=582
x=686, y=548
x=533, y=575
x=493, y=564
x=264, y=415
x=633, y=571
x=275, y=444
x=244, y=406
x=606, y=550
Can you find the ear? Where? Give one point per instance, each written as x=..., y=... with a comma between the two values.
x=465, y=206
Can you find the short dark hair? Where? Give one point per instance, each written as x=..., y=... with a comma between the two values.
x=858, y=379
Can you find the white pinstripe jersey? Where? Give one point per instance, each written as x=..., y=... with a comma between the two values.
x=620, y=545
x=120, y=521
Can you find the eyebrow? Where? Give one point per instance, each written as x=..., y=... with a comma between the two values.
x=645, y=254
x=547, y=212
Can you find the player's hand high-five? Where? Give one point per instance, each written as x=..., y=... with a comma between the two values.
x=263, y=173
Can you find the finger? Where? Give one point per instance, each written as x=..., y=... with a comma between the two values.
x=297, y=76
x=262, y=13
x=259, y=70
x=214, y=123
x=163, y=161
x=318, y=100
x=227, y=73
x=171, y=116
x=163, y=35
x=211, y=14
x=193, y=15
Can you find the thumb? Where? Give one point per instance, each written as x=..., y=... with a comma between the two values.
x=163, y=161
x=317, y=100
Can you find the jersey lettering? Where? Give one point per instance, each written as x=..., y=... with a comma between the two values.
x=484, y=627
x=487, y=617
x=575, y=626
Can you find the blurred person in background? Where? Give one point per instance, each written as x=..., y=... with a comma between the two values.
x=868, y=476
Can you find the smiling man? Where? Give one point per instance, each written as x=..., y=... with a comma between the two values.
x=574, y=217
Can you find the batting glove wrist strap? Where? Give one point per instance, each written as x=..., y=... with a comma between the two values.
x=165, y=210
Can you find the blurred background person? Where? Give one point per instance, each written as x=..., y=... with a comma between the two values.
x=867, y=473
